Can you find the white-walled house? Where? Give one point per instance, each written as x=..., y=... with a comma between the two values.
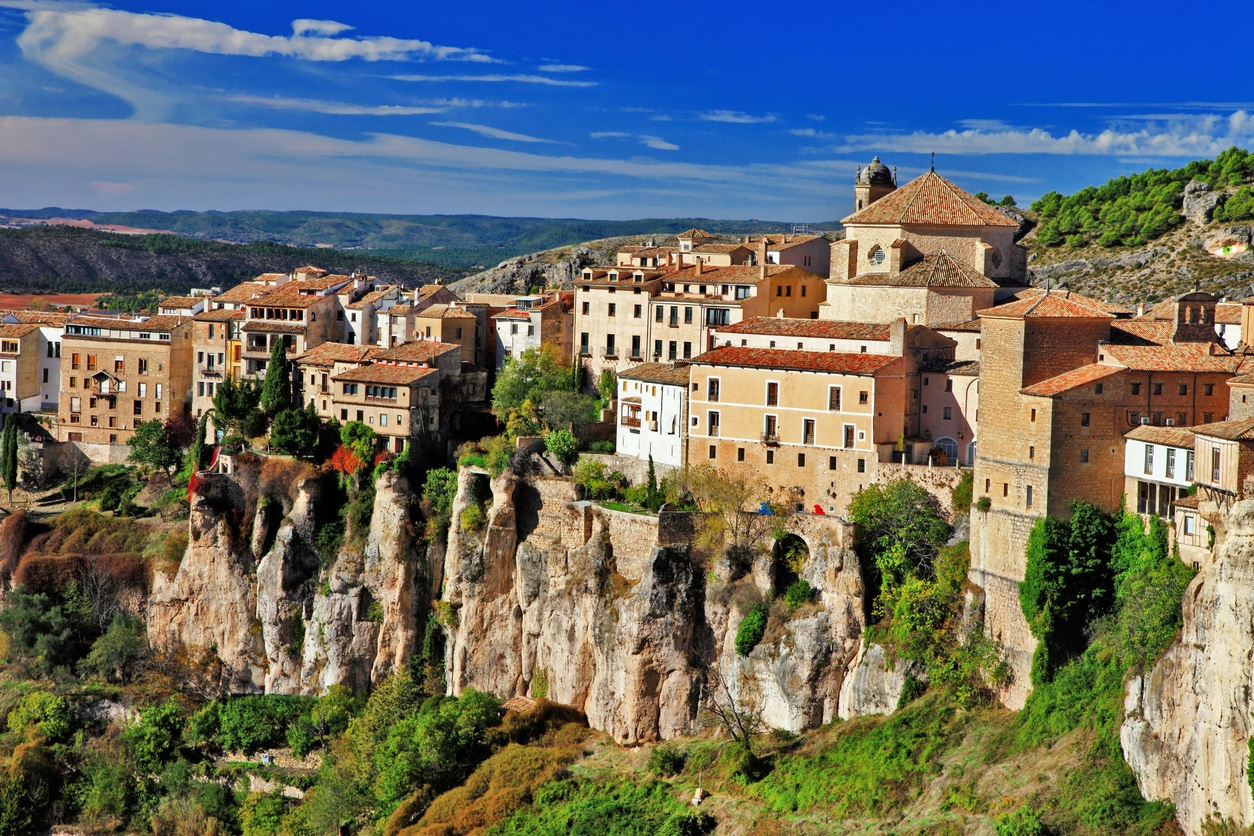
x=652, y=408
x=1157, y=466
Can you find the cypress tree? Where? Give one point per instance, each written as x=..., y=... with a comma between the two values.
x=276, y=391
x=9, y=471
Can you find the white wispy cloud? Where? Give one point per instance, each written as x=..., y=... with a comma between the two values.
x=494, y=133
x=563, y=68
x=984, y=125
x=60, y=38
x=521, y=78
x=1192, y=136
x=332, y=108
x=657, y=143
x=609, y=135
x=735, y=117
x=811, y=133
x=816, y=117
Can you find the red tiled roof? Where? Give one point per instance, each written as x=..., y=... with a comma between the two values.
x=514, y=313
x=695, y=232
x=244, y=291
x=779, y=243
x=17, y=331
x=720, y=248
x=1072, y=380
x=288, y=296
x=1141, y=331
x=371, y=297
x=672, y=373
x=938, y=269
x=385, y=373
x=430, y=289
x=1228, y=313
x=219, y=315
x=163, y=322
x=180, y=301
x=1175, y=357
x=1192, y=501
x=930, y=199
x=419, y=351
x=273, y=326
x=971, y=325
x=40, y=317
x=822, y=328
x=807, y=361
x=1241, y=380
x=1239, y=430
x=1169, y=436
x=1037, y=292
x=445, y=312
x=1045, y=306
x=736, y=274
x=327, y=354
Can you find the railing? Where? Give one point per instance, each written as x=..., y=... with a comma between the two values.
x=377, y=399
x=211, y=371
x=808, y=439
x=770, y=438
x=610, y=354
x=630, y=422
x=713, y=430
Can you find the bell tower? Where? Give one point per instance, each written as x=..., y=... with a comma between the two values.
x=872, y=183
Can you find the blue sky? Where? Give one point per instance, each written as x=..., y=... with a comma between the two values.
x=597, y=110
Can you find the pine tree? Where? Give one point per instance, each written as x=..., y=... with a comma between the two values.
x=276, y=391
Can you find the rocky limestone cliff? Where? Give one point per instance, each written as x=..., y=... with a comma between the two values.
x=611, y=613
x=549, y=269
x=1187, y=727
x=263, y=608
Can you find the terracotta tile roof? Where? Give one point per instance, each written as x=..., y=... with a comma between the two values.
x=1108, y=307
x=310, y=269
x=930, y=199
x=736, y=274
x=1241, y=380
x=181, y=301
x=695, y=232
x=1045, y=306
x=1072, y=380
x=808, y=361
x=219, y=315
x=445, y=312
x=626, y=276
x=271, y=326
x=322, y=282
x=41, y=317
x=644, y=252
x=1239, y=430
x=386, y=373
x=513, y=313
x=1192, y=502
x=672, y=373
x=971, y=326
x=371, y=297
x=1169, y=436
x=938, y=269
x=720, y=248
x=779, y=243
x=19, y=330
x=153, y=323
x=963, y=368
x=419, y=351
x=430, y=289
x=289, y=296
x=1141, y=331
x=822, y=328
x=244, y=291
x=1201, y=358
x=1228, y=313
x=328, y=354
x=271, y=277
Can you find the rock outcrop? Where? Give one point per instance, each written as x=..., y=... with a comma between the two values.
x=519, y=275
x=1187, y=727
x=612, y=613
x=873, y=685
x=1200, y=202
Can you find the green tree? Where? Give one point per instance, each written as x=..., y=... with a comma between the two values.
x=528, y=379
x=652, y=499
x=900, y=527
x=237, y=404
x=563, y=445
x=8, y=461
x=153, y=446
x=438, y=493
x=41, y=715
x=38, y=630
x=295, y=431
x=276, y=390
x=117, y=654
x=200, y=442
x=360, y=439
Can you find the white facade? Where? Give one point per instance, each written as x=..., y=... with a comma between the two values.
x=651, y=420
x=793, y=343
x=49, y=370
x=1158, y=463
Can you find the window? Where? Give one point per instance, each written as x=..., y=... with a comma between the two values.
x=1184, y=389
x=862, y=465
x=1028, y=502
x=1188, y=524
x=674, y=315
x=770, y=430
x=1149, y=458
x=671, y=349
x=73, y=361
x=1171, y=463
x=1005, y=489
x=711, y=389
x=713, y=451
x=948, y=413
x=635, y=346
x=1188, y=466
x=586, y=306
x=45, y=375
x=1031, y=452
x=717, y=316
x=613, y=309
x=687, y=316
x=864, y=397
x=1084, y=456
x=740, y=454
x=831, y=462
x=200, y=389
x=143, y=365
x=1214, y=465
x=1096, y=389
x=383, y=419
x=988, y=483
x=833, y=398
x=137, y=408
x=583, y=342
x=1182, y=418
x=143, y=390
x=1158, y=388
x=807, y=431
x=772, y=394
x=1034, y=415
x=770, y=457
x=1136, y=388
x=712, y=417
x=1207, y=389
x=657, y=349
x=636, y=311
x=73, y=382
x=1206, y=418
x=849, y=430
x=949, y=386
x=687, y=350
x=158, y=392
x=801, y=460
x=657, y=314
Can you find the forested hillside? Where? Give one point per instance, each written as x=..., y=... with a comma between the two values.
x=60, y=259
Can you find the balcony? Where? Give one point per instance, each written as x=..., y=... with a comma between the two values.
x=610, y=353
x=211, y=371
x=630, y=422
x=771, y=438
x=377, y=399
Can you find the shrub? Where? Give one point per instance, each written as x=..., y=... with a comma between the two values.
x=41, y=714
x=374, y=612
x=472, y=519
x=667, y=759
x=960, y=496
x=1022, y=822
x=752, y=628
x=983, y=504
x=563, y=445
x=327, y=541
x=798, y=594
x=601, y=447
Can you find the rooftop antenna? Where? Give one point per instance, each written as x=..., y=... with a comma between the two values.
x=933, y=161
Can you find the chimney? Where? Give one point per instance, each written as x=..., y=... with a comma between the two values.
x=1140, y=309
x=762, y=251
x=761, y=270
x=897, y=337
x=746, y=239
x=697, y=267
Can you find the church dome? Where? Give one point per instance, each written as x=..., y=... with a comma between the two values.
x=876, y=174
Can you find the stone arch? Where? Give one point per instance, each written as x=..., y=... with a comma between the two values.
x=948, y=448
x=788, y=556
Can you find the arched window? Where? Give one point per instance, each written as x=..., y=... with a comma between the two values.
x=948, y=448
x=971, y=454
x=876, y=256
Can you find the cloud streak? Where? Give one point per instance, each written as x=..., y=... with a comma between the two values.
x=563, y=68
x=658, y=144
x=494, y=133
x=1186, y=136
x=735, y=117
x=331, y=108
x=520, y=78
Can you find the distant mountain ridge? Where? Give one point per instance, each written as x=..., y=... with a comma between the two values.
x=461, y=241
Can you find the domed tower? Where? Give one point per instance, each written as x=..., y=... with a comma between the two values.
x=872, y=183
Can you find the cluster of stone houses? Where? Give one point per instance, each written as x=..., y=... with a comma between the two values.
x=408, y=363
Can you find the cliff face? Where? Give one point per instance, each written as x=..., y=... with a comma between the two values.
x=260, y=607
x=610, y=613
x=1187, y=727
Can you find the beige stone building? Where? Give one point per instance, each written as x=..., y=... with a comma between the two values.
x=116, y=373
x=301, y=314
x=46, y=356
x=612, y=316
x=217, y=343
x=455, y=324
x=19, y=365
x=532, y=321
x=399, y=402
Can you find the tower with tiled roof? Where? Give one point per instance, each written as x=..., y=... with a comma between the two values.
x=872, y=183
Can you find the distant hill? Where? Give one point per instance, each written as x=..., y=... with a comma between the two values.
x=56, y=259
x=478, y=241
